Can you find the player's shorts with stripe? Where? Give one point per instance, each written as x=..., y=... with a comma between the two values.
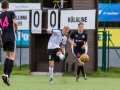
x=51, y=53
x=78, y=53
x=9, y=46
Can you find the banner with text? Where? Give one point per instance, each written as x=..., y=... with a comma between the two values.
x=22, y=38
x=23, y=6
x=109, y=12
x=114, y=36
x=23, y=20
x=73, y=17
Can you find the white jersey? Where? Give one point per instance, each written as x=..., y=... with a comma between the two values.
x=56, y=39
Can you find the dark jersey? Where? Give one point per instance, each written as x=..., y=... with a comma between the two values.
x=79, y=39
x=6, y=24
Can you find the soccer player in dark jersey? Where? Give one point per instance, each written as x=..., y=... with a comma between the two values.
x=7, y=20
x=54, y=49
x=78, y=40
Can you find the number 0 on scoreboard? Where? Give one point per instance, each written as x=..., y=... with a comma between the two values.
x=36, y=22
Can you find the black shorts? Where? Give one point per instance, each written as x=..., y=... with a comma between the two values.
x=51, y=53
x=78, y=53
x=9, y=46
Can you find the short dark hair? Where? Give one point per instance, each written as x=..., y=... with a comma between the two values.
x=4, y=4
x=81, y=23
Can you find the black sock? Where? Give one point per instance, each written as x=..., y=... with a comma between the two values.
x=82, y=69
x=78, y=70
x=5, y=65
x=10, y=67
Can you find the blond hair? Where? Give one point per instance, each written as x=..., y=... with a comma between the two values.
x=66, y=28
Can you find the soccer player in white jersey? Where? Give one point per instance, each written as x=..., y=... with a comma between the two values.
x=58, y=37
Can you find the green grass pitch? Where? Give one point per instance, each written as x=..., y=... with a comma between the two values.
x=28, y=82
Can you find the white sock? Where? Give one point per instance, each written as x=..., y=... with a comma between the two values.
x=61, y=56
x=51, y=72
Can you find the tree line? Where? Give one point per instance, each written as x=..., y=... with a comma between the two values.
x=23, y=1
x=35, y=1
x=109, y=1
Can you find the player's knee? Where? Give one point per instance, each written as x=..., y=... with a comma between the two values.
x=51, y=65
x=58, y=53
x=12, y=55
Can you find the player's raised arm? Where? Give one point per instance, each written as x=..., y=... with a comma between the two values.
x=70, y=41
x=49, y=31
x=63, y=44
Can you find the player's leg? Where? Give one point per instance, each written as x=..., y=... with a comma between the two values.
x=82, y=51
x=77, y=55
x=11, y=53
x=60, y=55
x=82, y=66
x=78, y=68
x=78, y=73
x=9, y=67
x=83, y=72
x=4, y=77
x=51, y=68
x=10, y=63
x=50, y=54
x=5, y=65
x=6, y=59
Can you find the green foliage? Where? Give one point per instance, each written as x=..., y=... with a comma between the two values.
x=112, y=73
x=23, y=1
x=103, y=1
x=17, y=71
x=109, y=24
x=108, y=1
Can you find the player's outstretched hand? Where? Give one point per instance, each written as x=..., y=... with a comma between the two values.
x=83, y=47
x=74, y=44
x=81, y=63
x=49, y=31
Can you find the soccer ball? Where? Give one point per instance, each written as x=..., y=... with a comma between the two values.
x=84, y=58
